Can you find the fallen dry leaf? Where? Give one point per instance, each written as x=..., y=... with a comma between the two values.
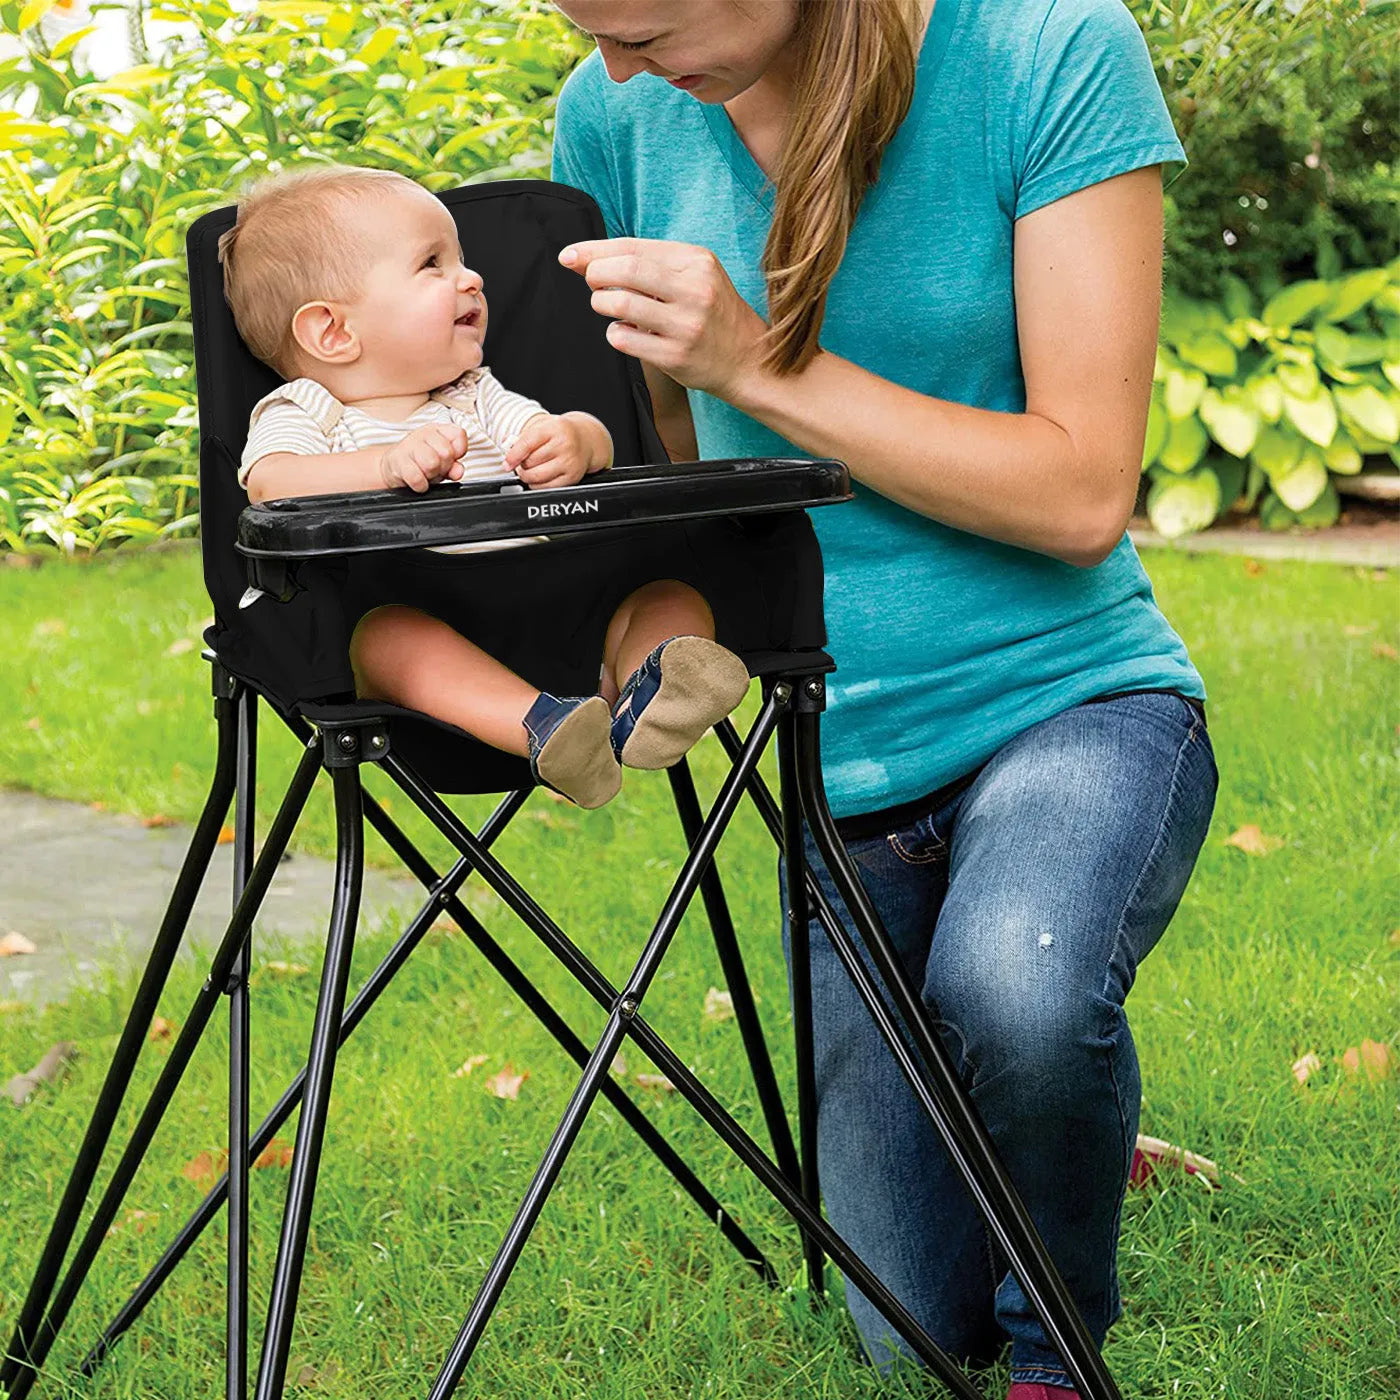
x=14, y=944
x=22, y=1086
x=656, y=1081
x=1306, y=1065
x=1371, y=1058
x=506, y=1084
x=276, y=1154
x=138, y=1221
x=179, y=647
x=205, y=1168
x=719, y=1006
x=227, y=836
x=618, y=1066
x=51, y=627
x=1385, y=651
x=1395, y=938
x=1254, y=842
x=1253, y=568
x=161, y=1029
x=1150, y=1153
x=468, y=1065
x=159, y=819
x=278, y=969
x=1357, y=629
x=34, y=723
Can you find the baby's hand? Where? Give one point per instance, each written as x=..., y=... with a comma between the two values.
x=549, y=451
x=426, y=455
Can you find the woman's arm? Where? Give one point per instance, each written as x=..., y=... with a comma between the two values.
x=1060, y=478
x=670, y=407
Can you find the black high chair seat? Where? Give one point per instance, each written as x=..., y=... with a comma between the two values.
x=736, y=530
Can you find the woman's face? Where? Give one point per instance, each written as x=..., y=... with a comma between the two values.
x=719, y=47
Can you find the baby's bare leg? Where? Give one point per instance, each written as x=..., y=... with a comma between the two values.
x=404, y=656
x=645, y=619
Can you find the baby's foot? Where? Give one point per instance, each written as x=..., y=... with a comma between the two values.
x=685, y=686
x=570, y=748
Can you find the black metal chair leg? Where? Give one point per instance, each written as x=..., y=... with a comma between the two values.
x=236, y=1319
x=306, y=1156
x=172, y=1071
x=736, y=978
x=19, y=1360
x=623, y=1011
x=936, y=1083
x=796, y=866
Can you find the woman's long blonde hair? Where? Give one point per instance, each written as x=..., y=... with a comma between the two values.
x=855, y=83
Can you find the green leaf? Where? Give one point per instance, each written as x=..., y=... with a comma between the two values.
x=1295, y=303
x=1342, y=456
x=1212, y=353
x=1354, y=292
x=1315, y=417
x=1267, y=394
x=1391, y=370
x=1185, y=445
x=1299, y=488
x=1323, y=511
x=1184, y=388
x=1156, y=432
x=1276, y=451
x=1181, y=505
x=1370, y=410
x=1298, y=378
x=377, y=45
x=1274, y=515
x=1234, y=424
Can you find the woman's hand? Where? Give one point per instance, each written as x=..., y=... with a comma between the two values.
x=673, y=306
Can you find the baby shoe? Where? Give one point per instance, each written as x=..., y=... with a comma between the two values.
x=1024, y=1390
x=570, y=748
x=684, y=687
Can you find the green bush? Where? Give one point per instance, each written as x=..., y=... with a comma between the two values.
x=1288, y=115
x=99, y=180
x=1285, y=395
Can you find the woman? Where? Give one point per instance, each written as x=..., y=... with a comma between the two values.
x=925, y=239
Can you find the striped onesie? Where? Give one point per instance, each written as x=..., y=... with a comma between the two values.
x=304, y=417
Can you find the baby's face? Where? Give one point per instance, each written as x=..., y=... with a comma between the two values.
x=422, y=316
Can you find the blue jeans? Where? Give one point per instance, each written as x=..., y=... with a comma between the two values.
x=1021, y=907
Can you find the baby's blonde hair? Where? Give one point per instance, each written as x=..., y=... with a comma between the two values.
x=298, y=239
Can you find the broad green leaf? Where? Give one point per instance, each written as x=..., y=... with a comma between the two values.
x=1342, y=456
x=70, y=41
x=139, y=79
x=32, y=13
x=1354, y=292
x=1298, y=378
x=1181, y=505
x=1295, y=303
x=295, y=11
x=1156, y=432
x=1267, y=394
x=1274, y=515
x=1315, y=417
x=1212, y=353
x=1184, y=388
x=1299, y=488
x=1232, y=423
x=1391, y=370
x=1185, y=445
x=1323, y=511
x=377, y=45
x=1370, y=410
x=1276, y=451
x=1333, y=344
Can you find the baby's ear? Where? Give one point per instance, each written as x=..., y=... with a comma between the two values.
x=321, y=330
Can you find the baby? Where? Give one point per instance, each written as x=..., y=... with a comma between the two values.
x=349, y=283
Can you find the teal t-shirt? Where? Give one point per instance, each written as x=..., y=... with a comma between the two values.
x=947, y=644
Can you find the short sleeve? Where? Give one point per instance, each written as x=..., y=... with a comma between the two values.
x=582, y=154
x=502, y=413
x=1094, y=108
x=280, y=426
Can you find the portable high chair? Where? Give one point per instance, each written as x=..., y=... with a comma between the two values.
x=746, y=520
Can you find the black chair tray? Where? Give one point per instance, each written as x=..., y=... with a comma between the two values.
x=356, y=522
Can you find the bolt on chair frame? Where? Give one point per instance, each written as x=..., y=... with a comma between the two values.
x=339, y=738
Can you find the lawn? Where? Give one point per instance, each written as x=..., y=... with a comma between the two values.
x=1282, y=1283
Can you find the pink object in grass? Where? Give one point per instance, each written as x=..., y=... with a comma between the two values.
x=1024, y=1390
x=1151, y=1152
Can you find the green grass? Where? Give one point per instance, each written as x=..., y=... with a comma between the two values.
x=1283, y=1283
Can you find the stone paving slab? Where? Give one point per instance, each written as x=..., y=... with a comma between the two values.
x=89, y=889
x=1374, y=546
